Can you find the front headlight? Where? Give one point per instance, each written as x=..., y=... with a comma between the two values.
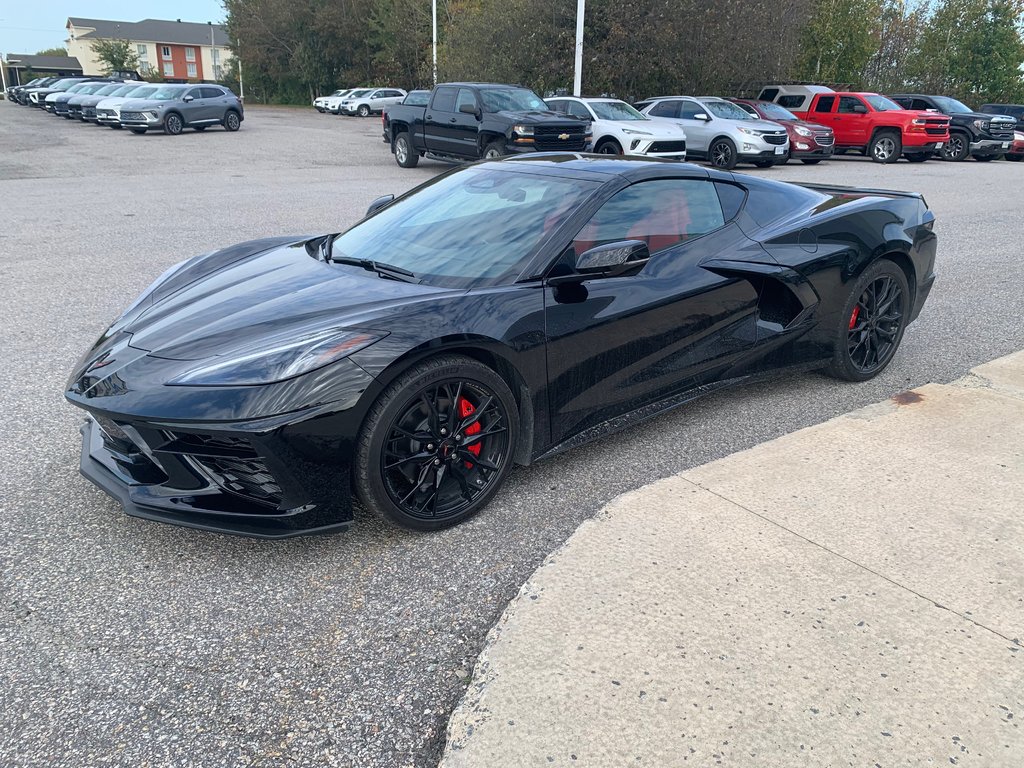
x=802, y=131
x=983, y=125
x=749, y=131
x=276, y=359
x=633, y=132
x=523, y=130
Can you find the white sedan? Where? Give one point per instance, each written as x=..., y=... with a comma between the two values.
x=621, y=130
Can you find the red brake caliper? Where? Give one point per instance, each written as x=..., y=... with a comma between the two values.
x=854, y=316
x=466, y=409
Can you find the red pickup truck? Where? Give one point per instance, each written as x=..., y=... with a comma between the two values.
x=878, y=126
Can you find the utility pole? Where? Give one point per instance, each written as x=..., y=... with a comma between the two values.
x=433, y=13
x=577, y=86
x=3, y=74
x=241, y=82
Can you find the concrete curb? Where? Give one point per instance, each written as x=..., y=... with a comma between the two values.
x=758, y=611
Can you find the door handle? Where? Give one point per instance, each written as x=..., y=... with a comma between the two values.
x=451, y=119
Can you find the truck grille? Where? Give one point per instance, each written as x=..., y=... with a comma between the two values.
x=232, y=463
x=547, y=137
x=1002, y=130
x=668, y=146
x=132, y=116
x=775, y=138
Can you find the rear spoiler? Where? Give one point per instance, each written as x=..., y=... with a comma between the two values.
x=835, y=189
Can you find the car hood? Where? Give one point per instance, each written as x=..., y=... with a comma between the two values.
x=145, y=104
x=659, y=129
x=983, y=116
x=760, y=125
x=807, y=124
x=221, y=300
x=538, y=117
x=112, y=101
x=91, y=101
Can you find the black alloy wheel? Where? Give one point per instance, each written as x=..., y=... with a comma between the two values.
x=723, y=155
x=872, y=323
x=437, y=444
x=173, y=124
x=608, y=147
x=956, y=149
x=231, y=121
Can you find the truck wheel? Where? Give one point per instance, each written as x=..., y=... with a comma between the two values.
x=405, y=155
x=886, y=147
x=722, y=154
x=956, y=148
x=364, y=110
x=495, y=150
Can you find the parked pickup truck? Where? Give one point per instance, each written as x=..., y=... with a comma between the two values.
x=877, y=126
x=469, y=121
x=976, y=134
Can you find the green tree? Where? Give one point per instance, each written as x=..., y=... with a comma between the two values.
x=53, y=52
x=116, y=55
x=839, y=40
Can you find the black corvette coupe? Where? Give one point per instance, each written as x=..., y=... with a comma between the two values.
x=499, y=313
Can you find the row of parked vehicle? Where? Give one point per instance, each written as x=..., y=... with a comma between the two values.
x=133, y=104
x=359, y=101
x=809, y=123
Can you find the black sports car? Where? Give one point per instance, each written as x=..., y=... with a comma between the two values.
x=499, y=313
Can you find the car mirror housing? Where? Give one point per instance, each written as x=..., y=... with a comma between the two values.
x=379, y=203
x=187, y=99
x=702, y=116
x=860, y=109
x=608, y=260
x=470, y=109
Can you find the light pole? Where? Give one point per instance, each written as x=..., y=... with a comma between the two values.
x=577, y=84
x=433, y=13
x=213, y=55
x=241, y=82
x=3, y=74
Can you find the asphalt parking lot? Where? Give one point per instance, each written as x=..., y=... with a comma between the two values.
x=131, y=643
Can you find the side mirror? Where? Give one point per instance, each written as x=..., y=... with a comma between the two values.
x=470, y=109
x=187, y=99
x=702, y=116
x=379, y=203
x=608, y=260
x=860, y=109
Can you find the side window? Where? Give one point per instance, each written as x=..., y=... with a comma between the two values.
x=748, y=109
x=769, y=94
x=557, y=105
x=466, y=96
x=195, y=93
x=662, y=213
x=916, y=104
x=212, y=93
x=578, y=110
x=731, y=196
x=665, y=109
x=444, y=100
x=848, y=105
x=688, y=110
x=824, y=104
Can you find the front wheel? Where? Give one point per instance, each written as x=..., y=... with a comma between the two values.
x=364, y=111
x=956, y=149
x=495, y=150
x=723, y=155
x=437, y=444
x=173, y=125
x=608, y=147
x=405, y=155
x=871, y=323
x=886, y=147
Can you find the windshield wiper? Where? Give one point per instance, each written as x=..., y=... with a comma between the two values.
x=326, y=246
x=384, y=270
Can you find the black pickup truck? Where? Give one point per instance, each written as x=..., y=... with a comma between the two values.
x=469, y=121
x=981, y=136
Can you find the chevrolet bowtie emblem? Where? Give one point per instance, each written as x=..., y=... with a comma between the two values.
x=563, y=136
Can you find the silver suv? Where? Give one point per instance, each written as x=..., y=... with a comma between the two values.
x=721, y=132
x=176, y=107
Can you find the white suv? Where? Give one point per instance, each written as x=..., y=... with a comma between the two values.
x=331, y=103
x=367, y=101
x=721, y=132
x=619, y=129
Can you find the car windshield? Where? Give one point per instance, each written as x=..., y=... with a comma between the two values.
x=339, y=93
x=108, y=90
x=470, y=228
x=76, y=88
x=773, y=111
x=91, y=88
x=726, y=110
x=63, y=85
x=881, y=103
x=363, y=92
x=511, y=100
x=615, y=110
x=124, y=90
x=949, y=105
x=167, y=92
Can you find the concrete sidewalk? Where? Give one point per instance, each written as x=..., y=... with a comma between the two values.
x=849, y=594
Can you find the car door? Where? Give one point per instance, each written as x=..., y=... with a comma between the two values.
x=699, y=131
x=616, y=344
x=823, y=113
x=217, y=102
x=194, y=108
x=852, y=114
x=439, y=121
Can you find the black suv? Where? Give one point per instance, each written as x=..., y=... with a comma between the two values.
x=977, y=134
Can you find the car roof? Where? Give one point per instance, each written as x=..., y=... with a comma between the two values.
x=606, y=167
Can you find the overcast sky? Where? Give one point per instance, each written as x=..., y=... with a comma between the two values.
x=27, y=26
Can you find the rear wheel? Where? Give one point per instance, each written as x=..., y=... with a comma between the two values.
x=232, y=122
x=405, y=155
x=437, y=444
x=886, y=147
x=956, y=149
x=722, y=154
x=608, y=147
x=871, y=323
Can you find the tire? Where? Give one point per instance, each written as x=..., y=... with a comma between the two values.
x=173, y=124
x=985, y=158
x=405, y=155
x=495, y=150
x=871, y=323
x=364, y=110
x=139, y=131
x=415, y=465
x=232, y=122
x=814, y=161
x=608, y=147
x=956, y=149
x=722, y=154
x=920, y=157
x=886, y=147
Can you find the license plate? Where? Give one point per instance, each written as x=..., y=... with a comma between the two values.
x=1006, y=145
x=780, y=150
x=938, y=145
